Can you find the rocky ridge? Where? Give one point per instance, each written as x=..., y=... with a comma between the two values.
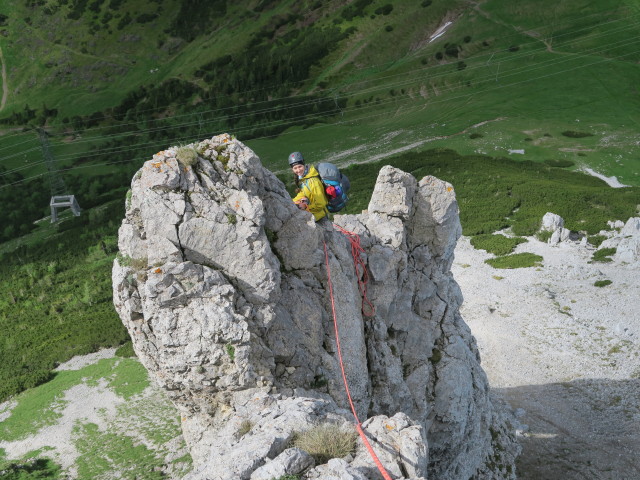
x=222, y=284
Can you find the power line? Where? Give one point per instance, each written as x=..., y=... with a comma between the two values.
x=405, y=82
x=368, y=116
x=573, y=32
x=409, y=81
x=355, y=108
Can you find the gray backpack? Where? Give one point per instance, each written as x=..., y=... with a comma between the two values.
x=336, y=186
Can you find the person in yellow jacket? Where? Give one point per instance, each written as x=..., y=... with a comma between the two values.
x=311, y=195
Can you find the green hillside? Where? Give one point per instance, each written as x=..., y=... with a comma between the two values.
x=492, y=96
x=505, y=100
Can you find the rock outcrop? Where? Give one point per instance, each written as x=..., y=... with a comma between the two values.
x=223, y=286
x=627, y=242
x=555, y=224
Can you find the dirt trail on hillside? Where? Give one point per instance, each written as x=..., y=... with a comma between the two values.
x=5, y=86
x=564, y=353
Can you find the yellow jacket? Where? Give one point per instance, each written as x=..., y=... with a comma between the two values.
x=311, y=187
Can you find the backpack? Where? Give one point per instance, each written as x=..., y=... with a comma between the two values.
x=336, y=186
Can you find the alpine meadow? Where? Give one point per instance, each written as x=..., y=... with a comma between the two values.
x=524, y=107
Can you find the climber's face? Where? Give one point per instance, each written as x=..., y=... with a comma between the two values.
x=298, y=169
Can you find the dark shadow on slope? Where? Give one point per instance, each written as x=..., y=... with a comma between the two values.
x=582, y=430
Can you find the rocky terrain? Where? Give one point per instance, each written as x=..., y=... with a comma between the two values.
x=563, y=351
x=223, y=285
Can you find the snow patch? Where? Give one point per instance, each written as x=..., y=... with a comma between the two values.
x=611, y=181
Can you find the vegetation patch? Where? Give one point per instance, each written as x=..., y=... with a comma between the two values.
x=54, y=310
x=152, y=417
x=103, y=453
x=496, y=244
x=517, y=260
x=560, y=163
x=603, y=255
x=596, y=240
x=30, y=467
x=497, y=193
x=187, y=155
x=231, y=351
x=244, y=428
x=544, y=235
x=602, y=283
x=42, y=406
x=327, y=441
x=126, y=350
x=574, y=134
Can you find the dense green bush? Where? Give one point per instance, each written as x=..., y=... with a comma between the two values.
x=31, y=469
x=596, y=240
x=603, y=255
x=196, y=17
x=56, y=299
x=544, y=235
x=497, y=193
x=385, y=10
x=355, y=10
x=517, y=260
x=559, y=163
x=602, y=283
x=496, y=244
x=126, y=350
x=574, y=134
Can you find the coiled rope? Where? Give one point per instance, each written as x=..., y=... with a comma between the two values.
x=368, y=310
x=375, y=458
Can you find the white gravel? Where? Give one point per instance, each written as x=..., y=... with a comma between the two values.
x=564, y=351
x=81, y=361
x=91, y=403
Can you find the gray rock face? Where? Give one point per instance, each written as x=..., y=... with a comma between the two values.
x=552, y=222
x=223, y=285
x=627, y=242
x=555, y=223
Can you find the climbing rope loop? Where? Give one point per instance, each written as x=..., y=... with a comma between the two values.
x=368, y=310
x=375, y=458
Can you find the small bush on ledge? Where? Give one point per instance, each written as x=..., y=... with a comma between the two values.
x=602, y=283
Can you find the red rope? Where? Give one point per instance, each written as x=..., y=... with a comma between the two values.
x=375, y=458
x=368, y=310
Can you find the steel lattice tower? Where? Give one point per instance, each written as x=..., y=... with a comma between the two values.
x=59, y=196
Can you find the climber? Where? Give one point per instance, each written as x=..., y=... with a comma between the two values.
x=310, y=190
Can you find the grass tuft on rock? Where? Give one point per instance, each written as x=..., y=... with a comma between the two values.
x=187, y=155
x=327, y=441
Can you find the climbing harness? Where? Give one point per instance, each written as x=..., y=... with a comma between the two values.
x=368, y=310
x=375, y=458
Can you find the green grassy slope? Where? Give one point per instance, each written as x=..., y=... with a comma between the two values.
x=55, y=297
x=113, y=81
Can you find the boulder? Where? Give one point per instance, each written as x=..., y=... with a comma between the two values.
x=228, y=292
x=551, y=222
